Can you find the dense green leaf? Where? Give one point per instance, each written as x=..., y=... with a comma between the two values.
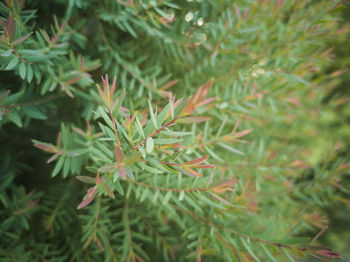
x=12, y=64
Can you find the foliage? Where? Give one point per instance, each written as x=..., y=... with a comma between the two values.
x=336, y=122
x=205, y=144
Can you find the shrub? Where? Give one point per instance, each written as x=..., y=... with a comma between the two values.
x=201, y=141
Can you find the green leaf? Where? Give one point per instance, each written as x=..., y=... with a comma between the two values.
x=139, y=128
x=7, y=53
x=92, y=169
x=148, y=128
x=29, y=73
x=107, y=190
x=65, y=136
x=193, y=119
x=142, y=151
x=173, y=133
x=21, y=40
x=117, y=106
x=288, y=255
x=87, y=179
x=58, y=166
x=211, y=203
x=249, y=250
x=231, y=149
x=153, y=117
x=214, y=155
x=118, y=186
x=155, y=196
x=132, y=158
x=162, y=115
x=129, y=28
x=267, y=252
x=299, y=241
x=13, y=62
x=338, y=9
x=145, y=193
x=108, y=168
x=123, y=132
x=150, y=169
x=294, y=78
x=100, y=155
x=180, y=107
x=159, y=11
x=172, y=5
x=14, y=98
x=167, y=168
x=166, y=141
x=193, y=203
x=167, y=197
x=149, y=145
x=66, y=167
x=22, y=70
x=34, y=112
x=173, y=156
x=14, y=117
x=102, y=113
x=107, y=131
x=182, y=195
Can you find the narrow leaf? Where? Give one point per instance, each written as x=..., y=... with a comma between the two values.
x=12, y=63
x=7, y=53
x=149, y=145
x=153, y=117
x=58, y=166
x=107, y=190
x=108, y=168
x=29, y=73
x=193, y=119
x=21, y=40
x=196, y=161
x=88, y=198
x=87, y=179
x=132, y=158
x=242, y=133
x=118, y=154
x=22, y=70
x=182, y=195
x=231, y=149
x=169, y=84
x=167, y=198
x=192, y=171
x=139, y=128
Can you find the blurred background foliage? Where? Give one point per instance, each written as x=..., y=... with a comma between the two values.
x=336, y=124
